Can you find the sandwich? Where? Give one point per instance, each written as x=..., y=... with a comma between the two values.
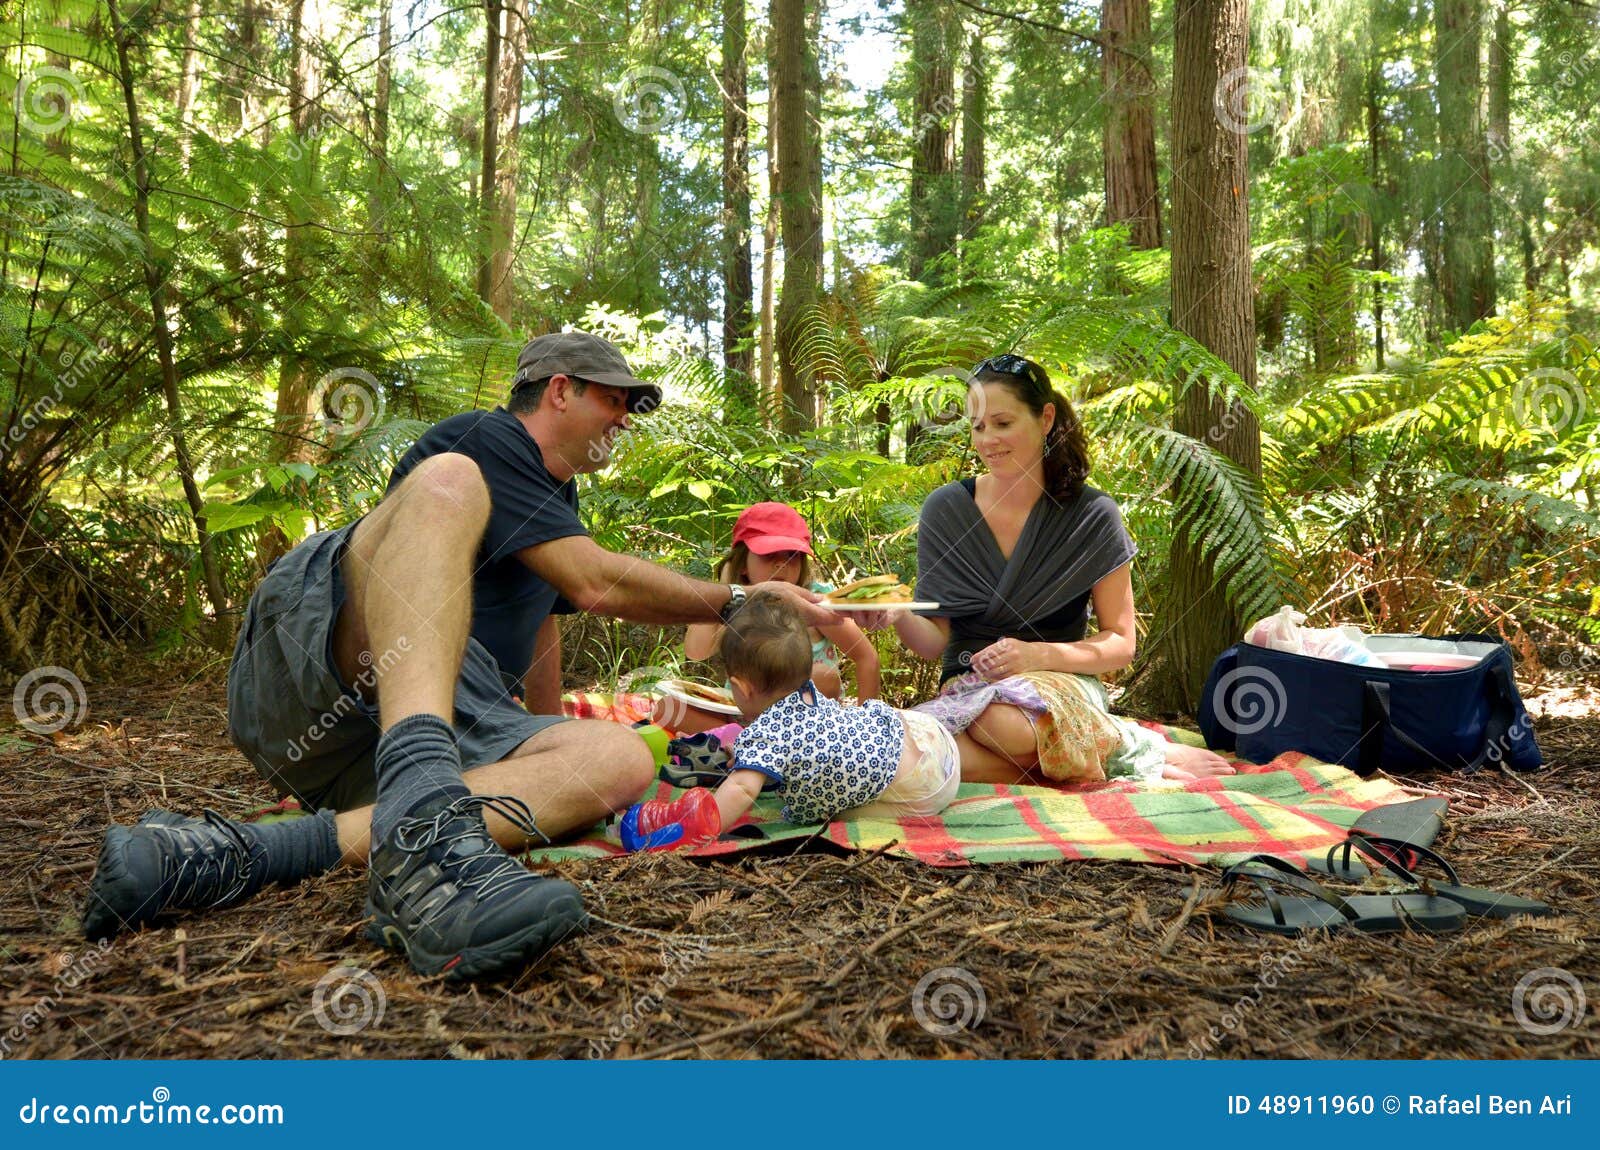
x=872, y=589
x=705, y=693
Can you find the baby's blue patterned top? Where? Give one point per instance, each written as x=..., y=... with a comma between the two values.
x=828, y=757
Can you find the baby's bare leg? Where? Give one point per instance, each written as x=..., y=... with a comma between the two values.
x=999, y=747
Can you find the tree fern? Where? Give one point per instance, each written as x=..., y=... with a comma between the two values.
x=1224, y=509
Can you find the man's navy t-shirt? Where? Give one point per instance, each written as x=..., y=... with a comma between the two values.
x=527, y=507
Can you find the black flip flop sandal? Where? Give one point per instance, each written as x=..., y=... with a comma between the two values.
x=1370, y=914
x=1403, y=859
x=1415, y=823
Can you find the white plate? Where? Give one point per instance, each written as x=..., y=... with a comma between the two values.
x=673, y=689
x=914, y=605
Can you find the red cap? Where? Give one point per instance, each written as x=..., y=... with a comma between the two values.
x=768, y=528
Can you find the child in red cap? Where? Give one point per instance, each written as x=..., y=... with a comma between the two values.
x=772, y=541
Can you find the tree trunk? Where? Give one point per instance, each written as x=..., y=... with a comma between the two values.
x=813, y=154
x=376, y=211
x=770, y=404
x=513, y=64
x=1466, y=265
x=738, y=322
x=189, y=80
x=295, y=418
x=935, y=32
x=1530, y=263
x=1133, y=195
x=490, y=151
x=1212, y=301
x=1502, y=59
x=155, y=277
x=974, y=135
x=1374, y=180
x=800, y=207
x=380, y=99
x=239, y=103
x=237, y=248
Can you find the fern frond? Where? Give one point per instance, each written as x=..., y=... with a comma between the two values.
x=1222, y=507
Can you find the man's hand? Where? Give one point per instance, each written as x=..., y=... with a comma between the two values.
x=812, y=607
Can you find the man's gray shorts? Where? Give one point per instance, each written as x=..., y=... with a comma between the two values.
x=307, y=732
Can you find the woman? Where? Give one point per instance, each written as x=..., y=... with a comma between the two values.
x=1015, y=558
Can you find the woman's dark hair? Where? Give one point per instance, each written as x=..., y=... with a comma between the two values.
x=1066, y=448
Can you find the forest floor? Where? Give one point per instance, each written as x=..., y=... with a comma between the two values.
x=808, y=955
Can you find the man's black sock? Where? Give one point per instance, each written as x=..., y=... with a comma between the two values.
x=416, y=762
x=294, y=849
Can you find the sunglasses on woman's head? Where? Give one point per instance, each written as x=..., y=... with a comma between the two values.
x=1009, y=365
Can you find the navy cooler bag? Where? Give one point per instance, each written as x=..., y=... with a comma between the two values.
x=1260, y=703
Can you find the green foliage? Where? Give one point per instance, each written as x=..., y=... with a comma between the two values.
x=1454, y=483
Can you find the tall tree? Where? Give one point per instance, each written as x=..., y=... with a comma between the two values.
x=237, y=89
x=155, y=278
x=380, y=117
x=489, y=154
x=1462, y=188
x=502, y=295
x=1133, y=195
x=935, y=40
x=188, y=83
x=815, y=117
x=738, y=319
x=1375, y=137
x=1213, y=301
x=770, y=403
x=1502, y=64
x=799, y=158
x=295, y=419
x=974, y=133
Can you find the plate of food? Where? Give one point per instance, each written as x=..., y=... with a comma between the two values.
x=875, y=593
x=717, y=700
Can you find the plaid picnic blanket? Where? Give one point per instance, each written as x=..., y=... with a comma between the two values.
x=620, y=707
x=1293, y=806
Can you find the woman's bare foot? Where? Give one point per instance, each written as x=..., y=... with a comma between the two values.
x=1188, y=763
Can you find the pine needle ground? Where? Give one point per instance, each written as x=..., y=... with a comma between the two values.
x=787, y=955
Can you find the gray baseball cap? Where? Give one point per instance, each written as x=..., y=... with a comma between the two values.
x=587, y=357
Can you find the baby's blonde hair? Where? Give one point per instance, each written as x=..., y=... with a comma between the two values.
x=766, y=644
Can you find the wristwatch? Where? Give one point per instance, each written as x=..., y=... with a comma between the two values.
x=735, y=601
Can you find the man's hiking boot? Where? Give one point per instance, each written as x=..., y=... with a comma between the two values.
x=446, y=893
x=168, y=862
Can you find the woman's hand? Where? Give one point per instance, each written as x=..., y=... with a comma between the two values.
x=870, y=620
x=1187, y=763
x=1007, y=657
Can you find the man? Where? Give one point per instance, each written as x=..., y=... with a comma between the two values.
x=372, y=681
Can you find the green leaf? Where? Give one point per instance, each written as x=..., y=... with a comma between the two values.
x=222, y=517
